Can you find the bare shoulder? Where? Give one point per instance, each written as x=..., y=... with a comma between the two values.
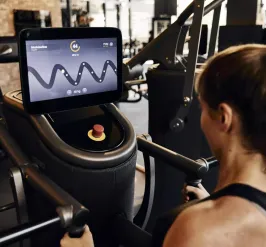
x=228, y=221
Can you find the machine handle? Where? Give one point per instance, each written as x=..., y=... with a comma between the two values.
x=194, y=181
x=76, y=232
x=58, y=196
x=77, y=214
x=174, y=159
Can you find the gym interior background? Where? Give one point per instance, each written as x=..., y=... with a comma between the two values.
x=140, y=21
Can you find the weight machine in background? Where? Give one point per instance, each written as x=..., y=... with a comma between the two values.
x=174, y=114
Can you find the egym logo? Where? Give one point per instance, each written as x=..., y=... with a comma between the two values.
x=74, y=46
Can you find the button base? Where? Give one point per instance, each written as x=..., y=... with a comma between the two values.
x=99, y=139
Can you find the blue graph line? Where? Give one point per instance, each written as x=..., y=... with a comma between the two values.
x=59, y=67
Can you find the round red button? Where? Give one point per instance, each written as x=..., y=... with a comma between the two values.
x=97, y=131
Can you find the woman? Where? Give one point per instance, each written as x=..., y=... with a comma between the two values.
x=232, y=94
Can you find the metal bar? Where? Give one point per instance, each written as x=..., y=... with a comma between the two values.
x=104, y=14
x=213, y=5
x=136, y=82
x=17, y=186
x=193, y=49
x=7, y=207
x=60, y=198
x=69, y=13
x=38, y=181
x=171, y=41
x=143, y=216
x=21, y=232
x=177, y=161
x=88, y=7
x=184, y=16
x=130, y=27
x=53, y=192
x=118, y=13
x=140, y=168
x=215, y=30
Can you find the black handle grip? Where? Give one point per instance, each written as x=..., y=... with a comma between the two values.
x=76, y=232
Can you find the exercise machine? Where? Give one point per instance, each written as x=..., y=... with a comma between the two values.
x=174, y=114
x=74, y=154
x=70, y=214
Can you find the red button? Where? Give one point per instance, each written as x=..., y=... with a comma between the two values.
x=97, y=131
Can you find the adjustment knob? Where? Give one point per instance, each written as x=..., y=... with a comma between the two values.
x=177, y=125
x=97, y=131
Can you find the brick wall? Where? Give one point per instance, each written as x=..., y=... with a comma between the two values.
x=9, y=73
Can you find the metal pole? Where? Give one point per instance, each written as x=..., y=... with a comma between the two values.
x=88, y=12
x=88, y=7
x=7, y=207
x=69, y=13
x=130, y=27
x=104, y=14
x=194, y=48
x=214, y=4
x=118, y=13
x=21, y=232
x=215, y=31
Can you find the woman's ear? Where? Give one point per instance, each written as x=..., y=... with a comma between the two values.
x=225, y=117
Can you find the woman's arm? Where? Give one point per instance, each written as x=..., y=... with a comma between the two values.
x=189, y=229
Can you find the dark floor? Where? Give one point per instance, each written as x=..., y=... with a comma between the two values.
x=137, y=113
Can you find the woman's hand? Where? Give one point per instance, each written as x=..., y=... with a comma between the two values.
x=199, y=192
x=85, y=241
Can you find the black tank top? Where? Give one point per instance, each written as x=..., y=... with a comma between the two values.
x=247, y=192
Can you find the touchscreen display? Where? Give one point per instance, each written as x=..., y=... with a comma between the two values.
x=68, y=68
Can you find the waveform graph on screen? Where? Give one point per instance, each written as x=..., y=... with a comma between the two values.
x=58, y=68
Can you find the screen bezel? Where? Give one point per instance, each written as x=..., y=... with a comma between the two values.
x=63, y=104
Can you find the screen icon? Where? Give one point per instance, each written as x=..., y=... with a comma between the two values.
x=77, y=91
x=84, y=90
x=111, y=44
x=74, y=46
x=69, y=92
